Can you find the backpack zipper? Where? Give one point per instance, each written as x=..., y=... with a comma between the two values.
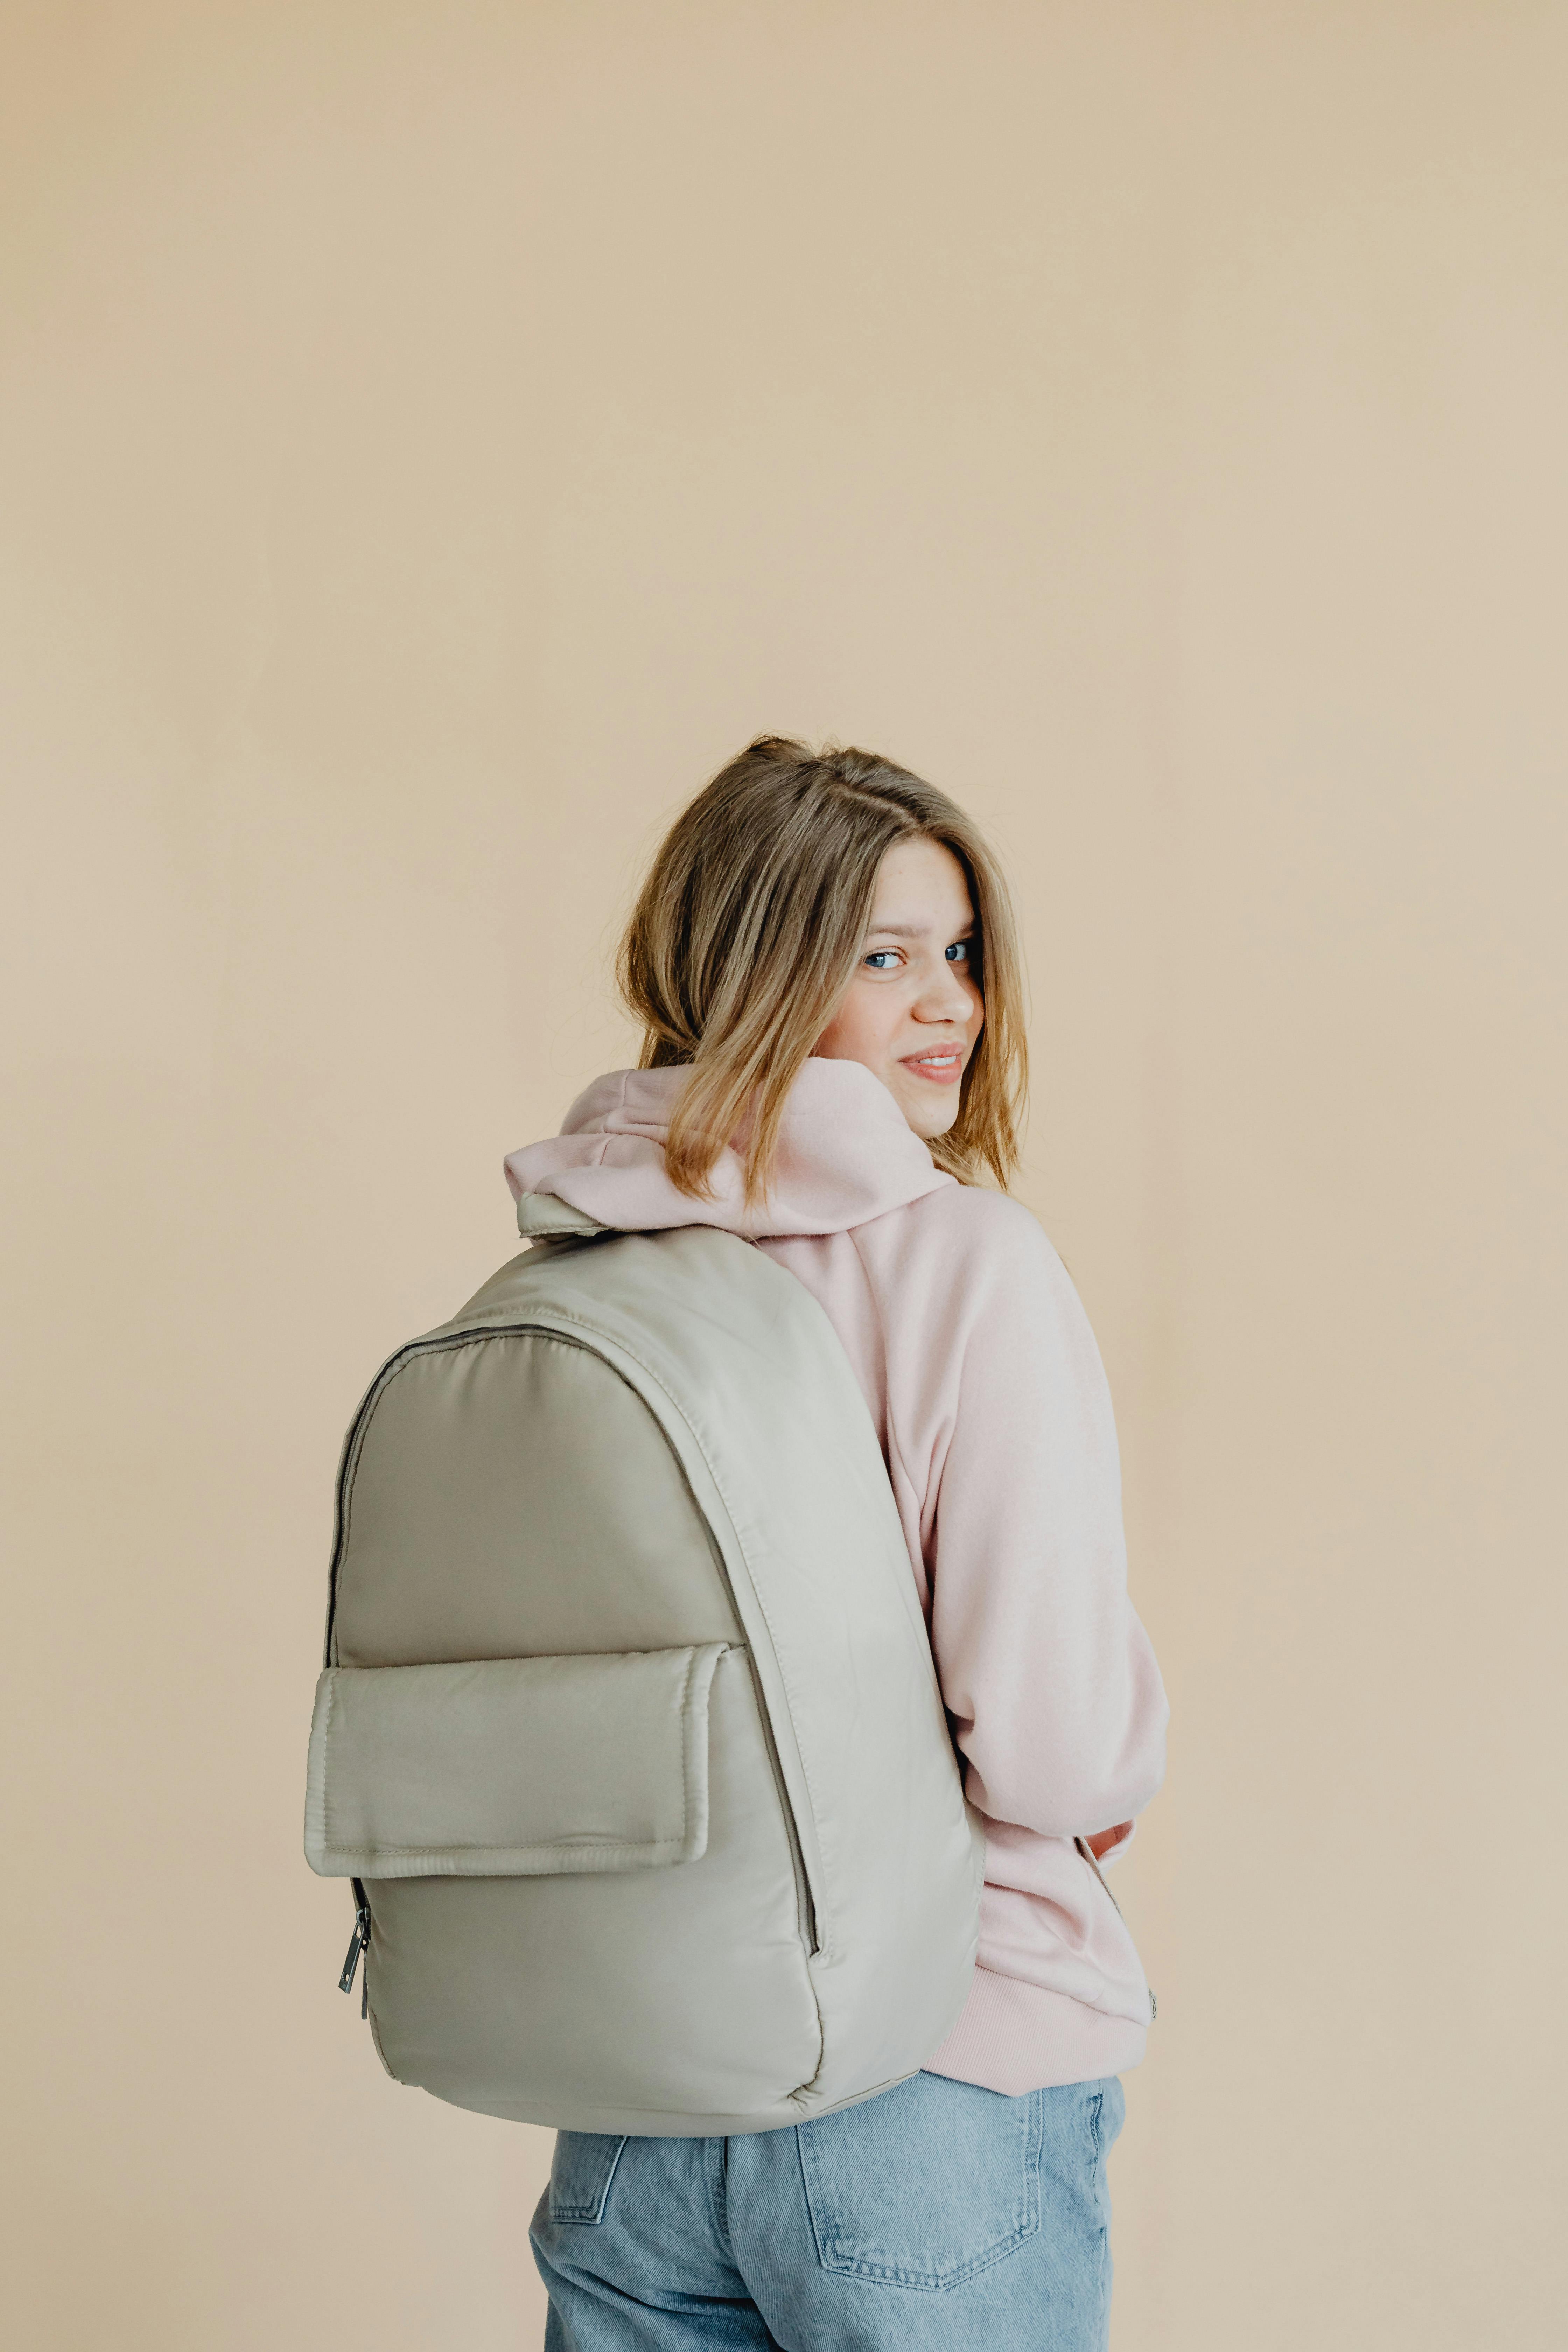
x=359, y=1943
x=806, y=1901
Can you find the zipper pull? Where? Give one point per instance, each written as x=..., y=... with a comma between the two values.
x=358, y=1944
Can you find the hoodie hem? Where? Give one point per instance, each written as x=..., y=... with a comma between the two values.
x=1014, y=2037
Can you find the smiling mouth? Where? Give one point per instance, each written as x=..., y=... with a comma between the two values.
x=942, y=1065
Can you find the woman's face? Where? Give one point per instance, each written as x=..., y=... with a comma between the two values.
x=912, y=1012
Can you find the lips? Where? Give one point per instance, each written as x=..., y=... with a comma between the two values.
x=942, y=1065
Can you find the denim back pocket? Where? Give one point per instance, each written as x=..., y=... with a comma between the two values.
x=581, y=2172
x=924, y=2185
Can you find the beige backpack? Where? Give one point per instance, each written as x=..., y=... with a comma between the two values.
x=628, y=1736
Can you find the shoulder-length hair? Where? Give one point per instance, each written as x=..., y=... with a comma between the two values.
x=748, y=930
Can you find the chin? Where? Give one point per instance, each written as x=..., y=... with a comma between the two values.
x=928, y=1120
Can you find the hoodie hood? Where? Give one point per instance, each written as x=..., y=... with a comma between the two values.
x=845, y=1156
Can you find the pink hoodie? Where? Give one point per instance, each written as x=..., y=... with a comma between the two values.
x=990, y=1401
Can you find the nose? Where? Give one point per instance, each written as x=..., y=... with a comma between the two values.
x=945, y=997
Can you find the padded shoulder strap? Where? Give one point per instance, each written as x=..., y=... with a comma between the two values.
x=541, y=1216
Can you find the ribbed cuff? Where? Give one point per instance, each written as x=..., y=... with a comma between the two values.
x=1014, y=2037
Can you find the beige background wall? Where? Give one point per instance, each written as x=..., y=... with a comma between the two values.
x=435, y=437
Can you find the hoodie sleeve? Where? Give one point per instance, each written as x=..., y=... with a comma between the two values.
x=1047, y=1674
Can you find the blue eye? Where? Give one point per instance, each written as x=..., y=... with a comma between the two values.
x=959, y=951
x=882, y=959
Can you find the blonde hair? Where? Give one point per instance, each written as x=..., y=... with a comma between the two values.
x=747, y=933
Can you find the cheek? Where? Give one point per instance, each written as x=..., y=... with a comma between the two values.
x=860, y=1030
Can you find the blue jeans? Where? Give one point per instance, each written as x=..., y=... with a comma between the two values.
x=936, y=2216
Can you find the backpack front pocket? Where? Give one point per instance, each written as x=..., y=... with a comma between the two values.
x=504, y=1767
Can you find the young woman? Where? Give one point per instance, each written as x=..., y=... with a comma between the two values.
x=823, y=961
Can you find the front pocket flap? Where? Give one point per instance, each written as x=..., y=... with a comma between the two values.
x=509, y=1767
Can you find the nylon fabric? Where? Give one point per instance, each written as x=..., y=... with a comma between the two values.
x=655, y=1443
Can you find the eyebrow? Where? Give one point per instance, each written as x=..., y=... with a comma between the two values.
x=912, y=932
